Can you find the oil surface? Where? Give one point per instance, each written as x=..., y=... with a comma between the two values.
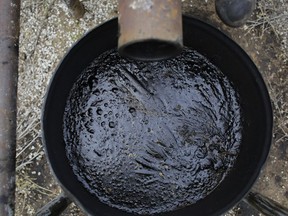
x=152, y=137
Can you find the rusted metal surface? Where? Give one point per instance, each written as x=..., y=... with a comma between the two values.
x=76, y=8
x=9, y=32
x=150, y=29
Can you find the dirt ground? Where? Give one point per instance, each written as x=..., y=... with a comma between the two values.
x=48, y=31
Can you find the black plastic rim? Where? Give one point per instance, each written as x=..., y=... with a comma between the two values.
x=221, y=51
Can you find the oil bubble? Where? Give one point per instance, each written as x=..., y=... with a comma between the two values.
x=115, y=90
x=111, y=124
x=132, y=110
x=103, y=124
x=99, y=111
x=96, y=92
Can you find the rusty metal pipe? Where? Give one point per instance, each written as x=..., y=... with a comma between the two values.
x=150, y=29
x=9, y=34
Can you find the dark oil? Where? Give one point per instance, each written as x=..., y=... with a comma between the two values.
x=152, y=137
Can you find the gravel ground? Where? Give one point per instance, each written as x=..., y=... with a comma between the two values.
x=48, y=31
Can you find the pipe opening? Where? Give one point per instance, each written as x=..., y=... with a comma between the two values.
x=150, y=50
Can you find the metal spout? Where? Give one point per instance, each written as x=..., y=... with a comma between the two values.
x=150, y=30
